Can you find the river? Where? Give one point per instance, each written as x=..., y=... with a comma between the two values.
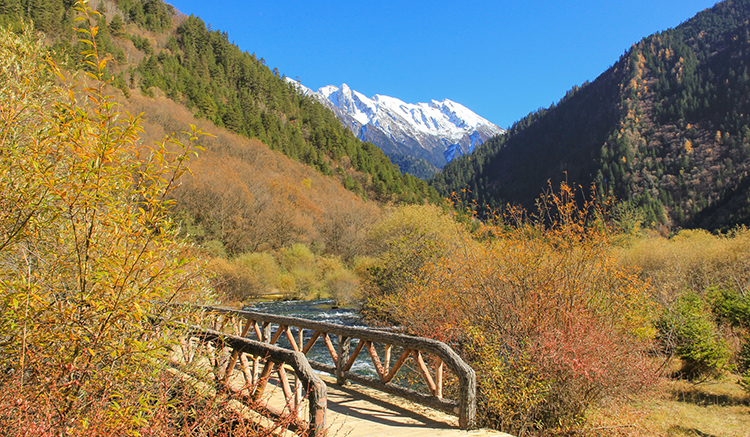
x=321, y=310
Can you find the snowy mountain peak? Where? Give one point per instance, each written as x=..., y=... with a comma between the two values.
x=437, y=131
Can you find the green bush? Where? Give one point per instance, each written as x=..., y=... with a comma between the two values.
x=343, y=286
x=731, y=307
x=689, y=330
x=296, y=256
x=743, y=364
x=263, y=267
x=405, y=241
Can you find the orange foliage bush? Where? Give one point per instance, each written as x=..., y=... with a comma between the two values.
x=542, y=310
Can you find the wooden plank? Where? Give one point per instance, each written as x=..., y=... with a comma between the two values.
x=424, y=371
x=375, y=359
x=266, y=331
x=331, y=350
x=387, y=359
x=256, y=328
x=263, y=380
x=344, y=343
x=312, y=383
x=288, y=395
x=246, y=372
x=353, y=356
x=397, y=365
x=290, y=336
x=311, y=342
x=278, y=333
x=439, y=378
x=235, y=354
x=256, y=369
x=297, y=395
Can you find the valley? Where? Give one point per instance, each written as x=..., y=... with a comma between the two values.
x=591, y=263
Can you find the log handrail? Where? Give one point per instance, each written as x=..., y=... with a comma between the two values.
x=465, y=407
x=311, y=382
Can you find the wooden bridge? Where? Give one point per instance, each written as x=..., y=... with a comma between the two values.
x=266, y=360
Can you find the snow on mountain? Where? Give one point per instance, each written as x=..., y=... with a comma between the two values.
x=437, y=132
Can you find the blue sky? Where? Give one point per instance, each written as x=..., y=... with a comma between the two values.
x=501, y=59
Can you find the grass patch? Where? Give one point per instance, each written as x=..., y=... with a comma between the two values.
x=678, y=408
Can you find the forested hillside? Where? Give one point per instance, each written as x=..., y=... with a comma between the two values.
x=158, y=51
x=666, y=128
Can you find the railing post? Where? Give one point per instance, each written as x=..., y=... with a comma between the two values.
x=343, y=352
x=467, y=414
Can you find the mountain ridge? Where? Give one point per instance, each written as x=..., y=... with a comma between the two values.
x=436, y=131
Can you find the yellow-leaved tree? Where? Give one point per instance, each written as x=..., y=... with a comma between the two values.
x=89, y=253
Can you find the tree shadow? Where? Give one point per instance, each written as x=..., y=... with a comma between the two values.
x=683, y=431
x=700, y=397
x=354, y=403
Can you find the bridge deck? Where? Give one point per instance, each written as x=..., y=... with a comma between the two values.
x=359, y=411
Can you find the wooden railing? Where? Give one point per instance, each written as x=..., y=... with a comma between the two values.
x=223, y=352
x=430, y=357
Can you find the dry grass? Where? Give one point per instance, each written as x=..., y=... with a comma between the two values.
x=691, y=260
x=717, y=408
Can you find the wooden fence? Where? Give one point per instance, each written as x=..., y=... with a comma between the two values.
x=223, y=352
x=431, y=358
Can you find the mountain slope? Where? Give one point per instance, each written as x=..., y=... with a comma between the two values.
x=159, y=51
x=243, y=197
x=435, y=132
x=666, y=128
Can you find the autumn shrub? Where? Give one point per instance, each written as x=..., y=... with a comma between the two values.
x=691, y=260
x=542, y=311
x=294, y=272
x=89, y=253
x=249, y=276
x=296, y=256
x=264, y=267
x=404, y=241
x=701, y=282
x=300, y=264
x=339, y=282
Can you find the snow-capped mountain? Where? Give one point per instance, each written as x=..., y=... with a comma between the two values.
x=436, y=131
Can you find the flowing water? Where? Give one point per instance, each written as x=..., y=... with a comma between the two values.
x=322, y=310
